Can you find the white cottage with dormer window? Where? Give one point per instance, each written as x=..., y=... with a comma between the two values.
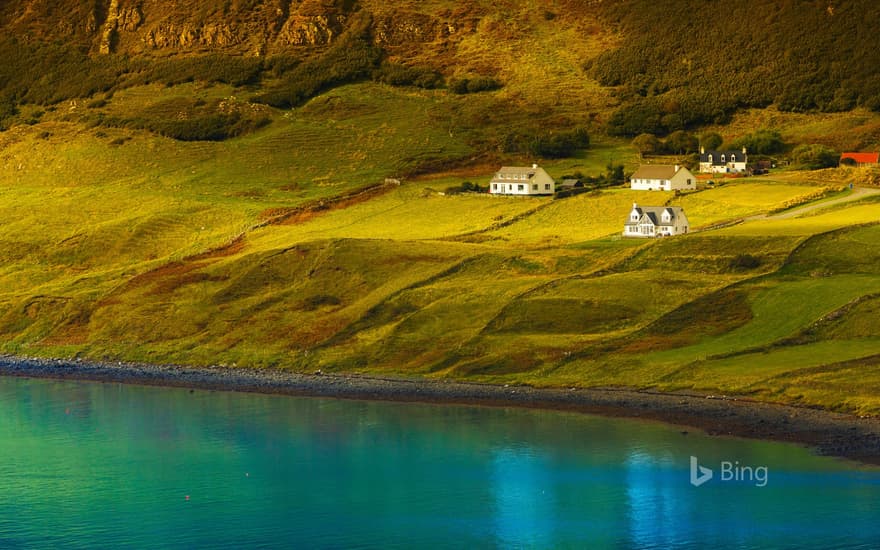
x=655, y=221
x=519, y=180
x=661, y=177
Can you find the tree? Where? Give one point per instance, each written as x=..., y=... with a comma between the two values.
x=681, y=143
x=614, y=175
x=711, y=141
x=762, y=142
x=647, y=144
x=814, y=156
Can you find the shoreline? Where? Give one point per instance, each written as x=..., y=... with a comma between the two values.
x=827, y=433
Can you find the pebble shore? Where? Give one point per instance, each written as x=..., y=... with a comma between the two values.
x=828, y=433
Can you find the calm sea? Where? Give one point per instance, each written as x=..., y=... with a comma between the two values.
x=87, y=465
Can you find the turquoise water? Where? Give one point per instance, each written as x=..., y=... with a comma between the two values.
x=110, y=466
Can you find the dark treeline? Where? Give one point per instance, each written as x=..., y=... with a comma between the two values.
x=46, y=73
x=685, y=62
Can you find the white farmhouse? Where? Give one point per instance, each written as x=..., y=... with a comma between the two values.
x=723, y=162
x=662, y=177
x=518, y=180
x=655, y=221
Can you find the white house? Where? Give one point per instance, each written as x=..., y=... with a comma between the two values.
x=723, y=162
x=655, y=221
x=662, y=177
x=519, y=180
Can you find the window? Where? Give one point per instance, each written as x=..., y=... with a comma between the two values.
x=535, y=187
x=710, y=157
x=520, y=187
x=546, y=186
x=732, y=157
x=723, y=158
x=690, y=182
x=495, y=186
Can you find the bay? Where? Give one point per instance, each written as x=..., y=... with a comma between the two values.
x=89, y=465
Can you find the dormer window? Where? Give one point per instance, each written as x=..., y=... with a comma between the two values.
x=723, y=158
x=732, y=157
x=710, y=157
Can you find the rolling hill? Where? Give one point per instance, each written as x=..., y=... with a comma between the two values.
x=265, y=184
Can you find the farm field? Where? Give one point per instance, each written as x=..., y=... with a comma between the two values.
x=265, y=251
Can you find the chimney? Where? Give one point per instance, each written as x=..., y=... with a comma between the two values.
x=534, y=166
x=702, y=150
x=744, y=150
x=635, y=205
x=677, y=167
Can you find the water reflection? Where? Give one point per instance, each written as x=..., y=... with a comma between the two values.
x=654, y=503
x=524, y=499
x=95, y=465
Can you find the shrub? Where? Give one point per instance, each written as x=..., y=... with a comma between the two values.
x=320, y=300
x=681, y=143
x=8, y=109
x=352, y=58
x=558, y=145
x=711, y=141
x=473, y=85
x=43, y=74
x=216, y=127
x=228, y=69
x=614, y=174
x=800, y=58
x=815, y=156
x=643, y=117
x=396, y=74
x=280, y=65
x=743, y=262
x=193, y=120
x=762, y=142
x=647, y=144
x=465, y=187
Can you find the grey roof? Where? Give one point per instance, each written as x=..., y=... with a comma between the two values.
x=569, y=182
x=655, y=172
x=513, y=174
x=716, y=157
x=655, y=213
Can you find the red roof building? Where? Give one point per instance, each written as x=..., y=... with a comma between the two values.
x=862, y=158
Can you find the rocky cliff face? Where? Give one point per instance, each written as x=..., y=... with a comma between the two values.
x=254, y=27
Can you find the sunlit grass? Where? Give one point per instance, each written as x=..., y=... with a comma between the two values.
x=740, y=199
x=807, y=225
x=122, y=245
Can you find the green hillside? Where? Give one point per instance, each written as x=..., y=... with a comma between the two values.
x=231, y=184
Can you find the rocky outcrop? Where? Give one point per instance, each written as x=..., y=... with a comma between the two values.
x=310, y=30
x=186, y=36
x=409, y=28
x=237, y=26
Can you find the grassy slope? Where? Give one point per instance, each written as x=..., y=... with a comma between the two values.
x=409, y=281
x=121, y=244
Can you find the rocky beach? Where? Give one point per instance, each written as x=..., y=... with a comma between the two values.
x=828, y=433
